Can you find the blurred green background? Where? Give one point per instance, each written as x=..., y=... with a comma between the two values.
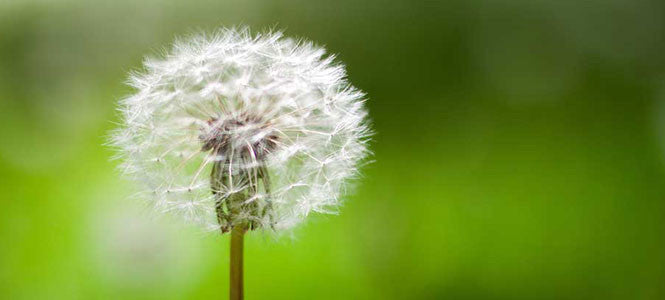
x=520, y=153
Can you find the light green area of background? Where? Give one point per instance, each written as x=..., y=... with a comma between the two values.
x=520, y=154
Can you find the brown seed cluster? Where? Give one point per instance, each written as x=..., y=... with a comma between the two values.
x=248, y=132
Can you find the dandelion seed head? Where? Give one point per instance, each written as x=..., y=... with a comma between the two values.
x=234, y=128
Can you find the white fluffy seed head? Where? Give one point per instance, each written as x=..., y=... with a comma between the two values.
x=236, y=128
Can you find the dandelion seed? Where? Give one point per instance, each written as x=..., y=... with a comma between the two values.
x=267, y=118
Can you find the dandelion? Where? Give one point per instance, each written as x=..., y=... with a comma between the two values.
x=238, y=132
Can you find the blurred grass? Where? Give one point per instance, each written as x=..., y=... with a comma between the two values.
x=519, y=154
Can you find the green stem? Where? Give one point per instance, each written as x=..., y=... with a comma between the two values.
x=236, y=288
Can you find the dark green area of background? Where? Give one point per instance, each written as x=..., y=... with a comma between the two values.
x=520, y=154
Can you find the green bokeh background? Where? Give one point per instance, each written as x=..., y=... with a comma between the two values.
x=519, y=154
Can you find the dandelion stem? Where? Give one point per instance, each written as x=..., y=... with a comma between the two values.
x=236, y=276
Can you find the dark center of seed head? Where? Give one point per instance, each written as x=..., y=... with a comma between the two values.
x=246, y=133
